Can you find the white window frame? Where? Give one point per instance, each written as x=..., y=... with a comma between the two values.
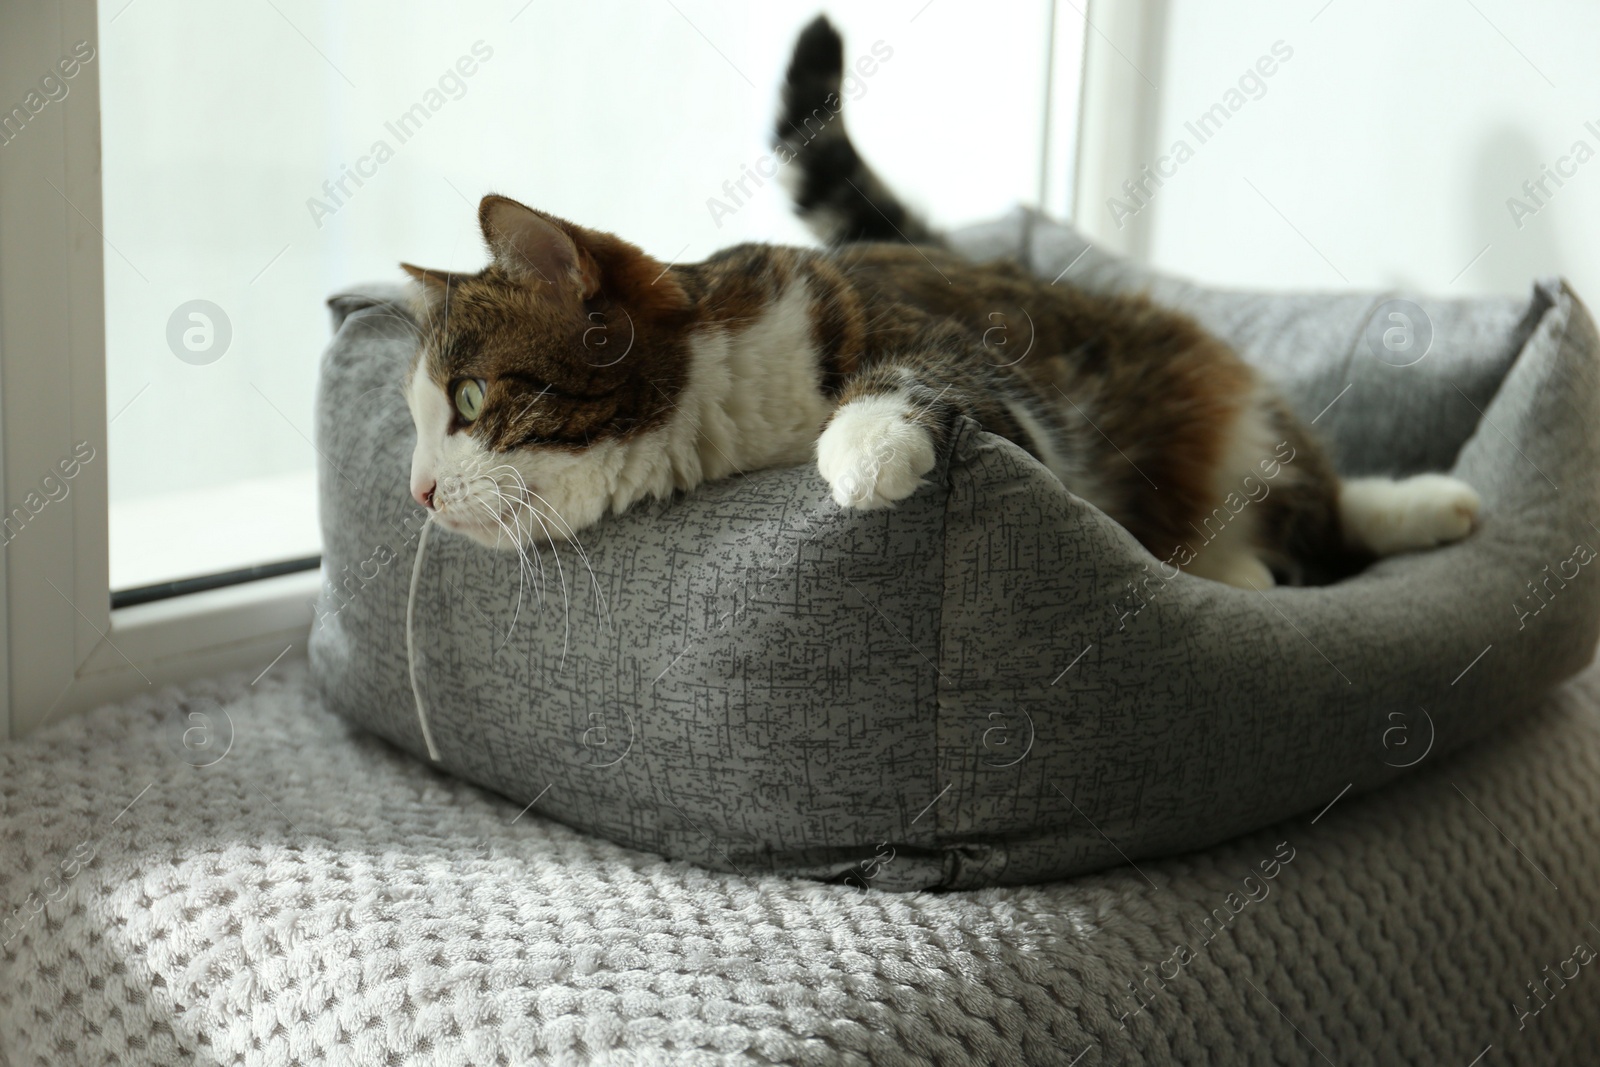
x=1123, y=46
x=63, y=649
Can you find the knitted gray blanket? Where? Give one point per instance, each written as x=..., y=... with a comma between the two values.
x=232, y=875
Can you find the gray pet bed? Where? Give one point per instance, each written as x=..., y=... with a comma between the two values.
x=983, y=685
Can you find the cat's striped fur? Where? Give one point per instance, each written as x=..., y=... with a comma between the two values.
x=607, y=377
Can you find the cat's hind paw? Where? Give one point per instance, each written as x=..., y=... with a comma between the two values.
x=1387, y=515
x=873, y=453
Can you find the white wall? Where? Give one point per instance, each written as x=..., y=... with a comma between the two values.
x=1391, y=141
x=221, y=122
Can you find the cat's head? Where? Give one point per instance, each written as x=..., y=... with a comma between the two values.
x=538, y=376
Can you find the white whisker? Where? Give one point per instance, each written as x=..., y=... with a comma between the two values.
x=520, y=543
x=566, y=599
x=515, y=502
x=572, y=535
x=569, y=534
x=522, y=570
x=524, y=544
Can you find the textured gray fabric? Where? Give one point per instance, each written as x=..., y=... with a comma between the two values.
x=314, y=897
x=971, y=682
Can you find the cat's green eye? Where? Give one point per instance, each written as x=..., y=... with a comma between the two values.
x=469, y=398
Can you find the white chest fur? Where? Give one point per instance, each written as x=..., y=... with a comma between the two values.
x=754, y=396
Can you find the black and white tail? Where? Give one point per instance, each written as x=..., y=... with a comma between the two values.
x=834, y=190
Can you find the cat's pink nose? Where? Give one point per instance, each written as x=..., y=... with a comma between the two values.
x=424, y=494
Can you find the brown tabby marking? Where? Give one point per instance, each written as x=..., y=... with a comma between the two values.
x=1139, y=398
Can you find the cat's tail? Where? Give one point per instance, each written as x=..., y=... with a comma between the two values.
x=834, y=190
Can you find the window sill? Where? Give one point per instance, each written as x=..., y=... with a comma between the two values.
x=256, y=626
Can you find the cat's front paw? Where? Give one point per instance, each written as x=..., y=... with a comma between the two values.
x=873, y=454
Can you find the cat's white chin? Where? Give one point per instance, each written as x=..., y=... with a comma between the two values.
x=491, y=536
x=511, y=537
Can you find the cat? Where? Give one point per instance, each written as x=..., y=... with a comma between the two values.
x=576, y=375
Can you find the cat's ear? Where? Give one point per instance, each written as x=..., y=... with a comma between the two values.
x=434, y=282
x=533, y=247
x=433, y=286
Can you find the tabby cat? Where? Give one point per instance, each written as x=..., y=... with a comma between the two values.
x=576, y=375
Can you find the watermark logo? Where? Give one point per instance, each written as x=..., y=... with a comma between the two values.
x=1140, y=190
x=1550, y=983
x=598, y=341
x=51, y=489
x=1541, y=591
x=997, y=339
x=1007, y=740
x=52, y=888
x=861, y=875
x=603, y=743
x=205, y=733
x=1256, y=890
x=736, y=192
x=451, y=85
x=1250, y=490
x=1407, y=737
x=52, y=87
x=199, y=332
x=1399, y=333
x=341, y=589
x=869, y=463
x=1536, y=191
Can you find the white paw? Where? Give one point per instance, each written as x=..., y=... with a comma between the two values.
x=872, y=455
x=1239, y=569
x=1235, y=565
x=1388, y=516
